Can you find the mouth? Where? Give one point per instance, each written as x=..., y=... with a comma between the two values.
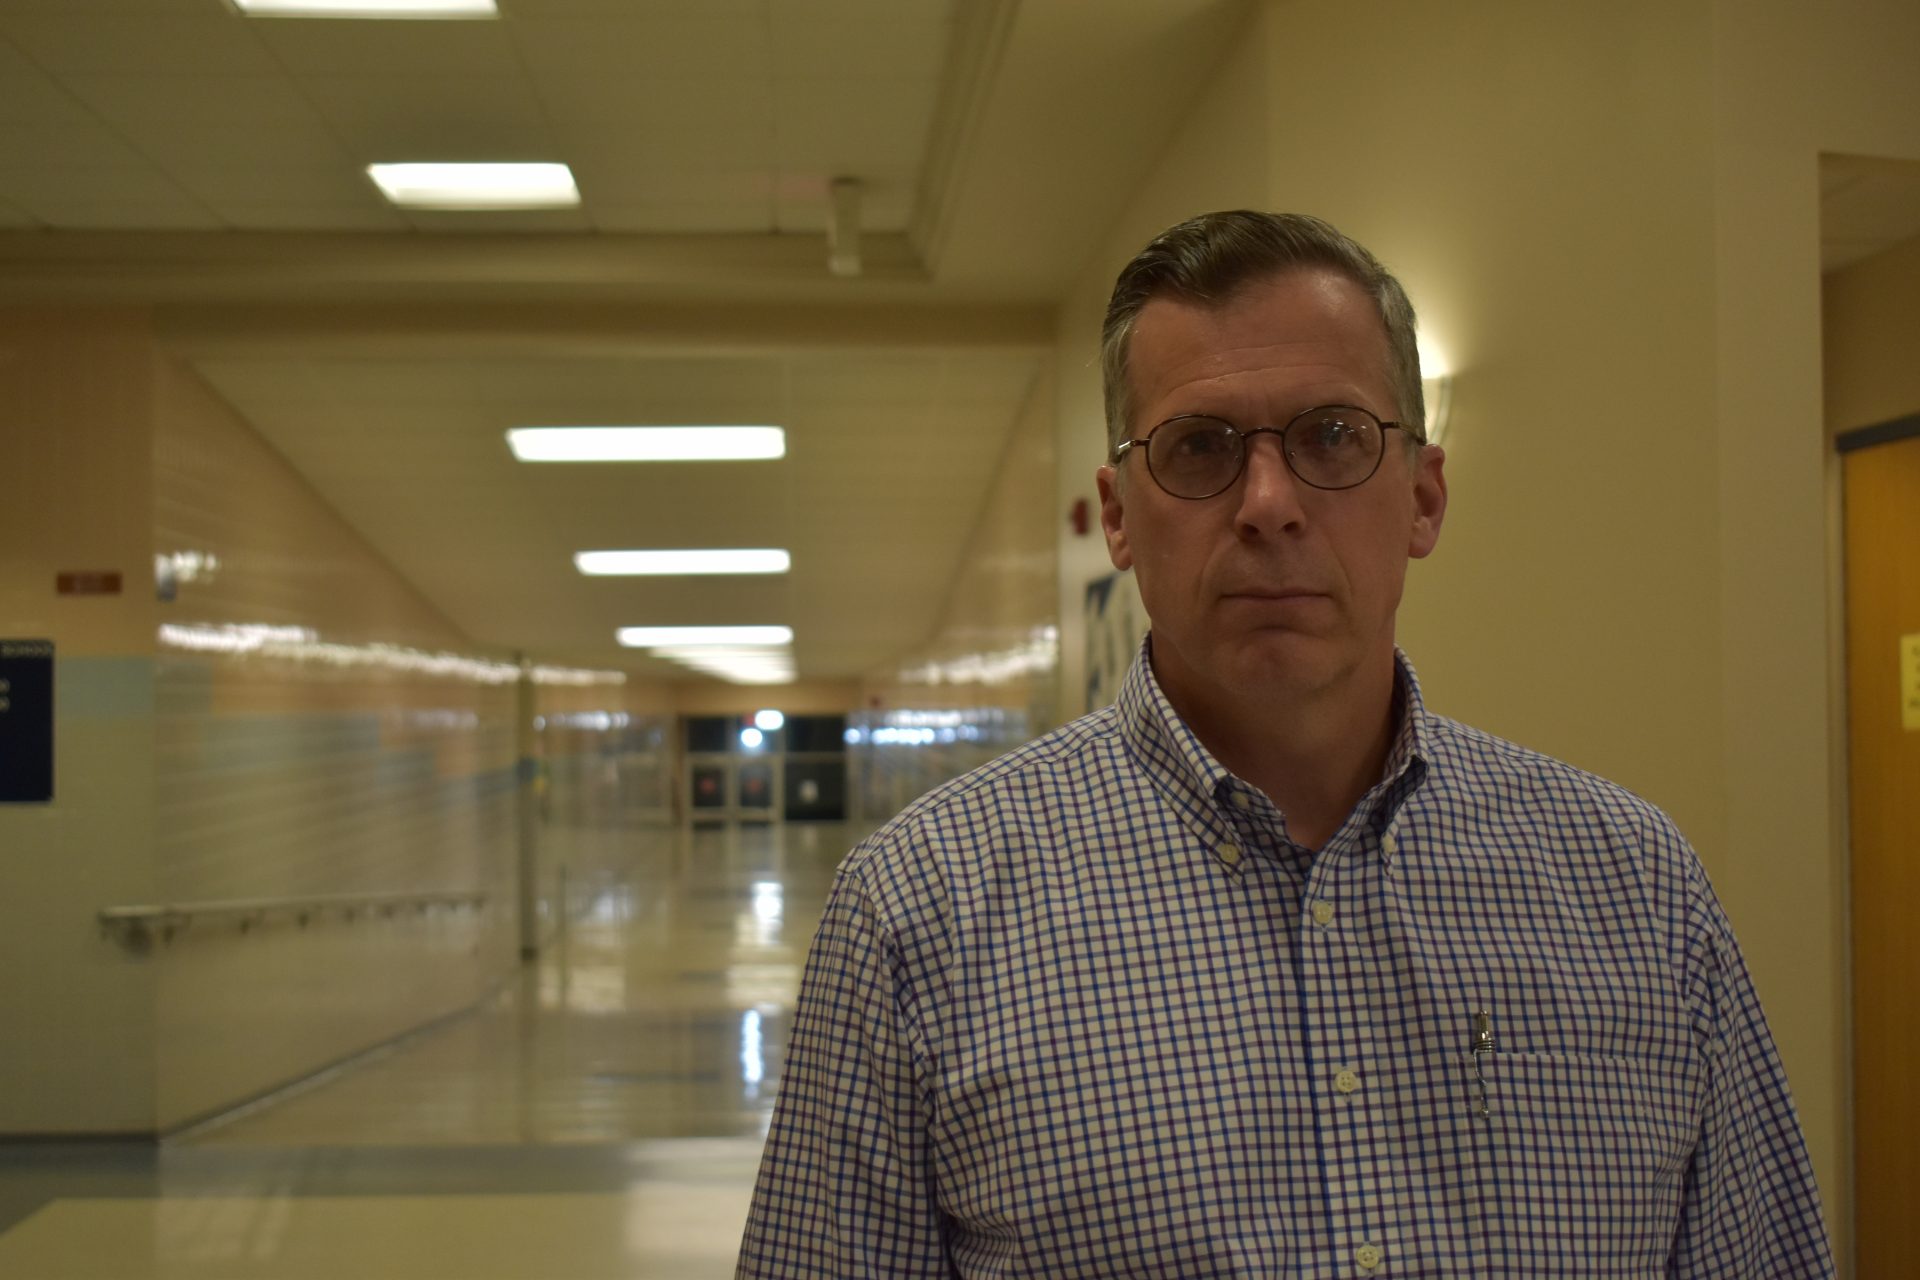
x=1271, y=594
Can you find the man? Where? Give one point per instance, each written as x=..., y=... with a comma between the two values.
x=1266, y=970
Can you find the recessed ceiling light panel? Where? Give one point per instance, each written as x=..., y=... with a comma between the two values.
x=692, y=637
x=682, y=563
x=646, y=444
x=368, y=8
x=476, y=186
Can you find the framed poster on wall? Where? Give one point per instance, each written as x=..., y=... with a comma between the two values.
x=26, y=721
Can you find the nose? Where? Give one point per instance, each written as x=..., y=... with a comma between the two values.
x=1269, y=492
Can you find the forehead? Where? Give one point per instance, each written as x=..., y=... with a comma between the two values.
x=1306, y=333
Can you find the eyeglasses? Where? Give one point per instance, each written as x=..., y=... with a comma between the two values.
x=1333, y=446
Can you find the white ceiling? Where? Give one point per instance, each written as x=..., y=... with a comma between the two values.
x=174, y=154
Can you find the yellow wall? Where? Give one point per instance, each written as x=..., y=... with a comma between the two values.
x=76, y=1051
x=988, y=678
x=1609, y=222
x=315, y=763
x=1870, y=333
x=1217, y=160
x=1793, y=79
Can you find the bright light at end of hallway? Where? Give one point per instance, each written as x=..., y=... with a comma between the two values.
x=687, y=562
x=368, y=8
x=647, y=444
x=771, y=721
x=476, y=186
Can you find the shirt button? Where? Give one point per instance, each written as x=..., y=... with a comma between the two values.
x=1367, y=1257
x=1389, y=844
x=1323, y=912
x=1229, y=853
x=1346, y=1081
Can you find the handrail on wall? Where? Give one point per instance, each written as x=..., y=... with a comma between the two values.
x=137, y=927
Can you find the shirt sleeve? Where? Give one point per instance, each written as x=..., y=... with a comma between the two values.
x=1751, y=1209
x=844, y=1190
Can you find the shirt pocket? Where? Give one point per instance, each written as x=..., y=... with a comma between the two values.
x=1584, y=1161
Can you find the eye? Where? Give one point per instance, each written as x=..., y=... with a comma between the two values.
x=1334, y=434
x=1201, y=440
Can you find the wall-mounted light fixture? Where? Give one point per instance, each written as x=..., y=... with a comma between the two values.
x=1436, y=388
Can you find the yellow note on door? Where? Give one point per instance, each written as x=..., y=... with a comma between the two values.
x=1910, y=682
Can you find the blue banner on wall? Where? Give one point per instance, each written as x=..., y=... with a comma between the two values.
x=26, y=721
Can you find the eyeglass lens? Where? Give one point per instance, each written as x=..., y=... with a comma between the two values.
x=1331, y=448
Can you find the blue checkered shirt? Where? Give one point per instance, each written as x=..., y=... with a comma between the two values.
x=1087, y=1011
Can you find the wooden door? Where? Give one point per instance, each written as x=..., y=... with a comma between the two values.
x=1883, y=635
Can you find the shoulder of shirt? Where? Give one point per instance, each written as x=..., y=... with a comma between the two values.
x=998, y=780
x=1476, y=763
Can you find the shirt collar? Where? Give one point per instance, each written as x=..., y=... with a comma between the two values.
x=1182, y=769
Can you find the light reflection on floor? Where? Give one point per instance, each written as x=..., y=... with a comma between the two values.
x=602, y=1116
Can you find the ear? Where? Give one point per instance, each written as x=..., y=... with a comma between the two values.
x=1429, y=501
x=1112, y=521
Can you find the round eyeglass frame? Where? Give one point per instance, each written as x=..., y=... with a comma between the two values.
x=1143, y=444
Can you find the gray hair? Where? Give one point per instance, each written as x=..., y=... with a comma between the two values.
x=1210, y=258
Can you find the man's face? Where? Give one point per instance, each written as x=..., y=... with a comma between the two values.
x=1272, y=589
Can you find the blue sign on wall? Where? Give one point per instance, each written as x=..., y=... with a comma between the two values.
x=26, y=721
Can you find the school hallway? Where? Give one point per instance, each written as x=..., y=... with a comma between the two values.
x=600, y=1116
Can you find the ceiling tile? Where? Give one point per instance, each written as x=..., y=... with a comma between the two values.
x=651, y=9
x=607, y=184
x=718, y=48
x=744, y=218
x=806, y=43
x=211, y=42
x=122, y=98
x=422, y=48
x=64, y=146
x=145, y=214
x=723, y=145
x=120, y=185
x=237, y=143
x=618, y=106
x=29, y=96
x=342, y=186
x=437, y=117
x=844, y=126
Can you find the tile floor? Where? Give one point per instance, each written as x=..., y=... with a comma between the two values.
x=602, y=1116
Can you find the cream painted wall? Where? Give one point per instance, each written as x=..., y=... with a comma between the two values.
x=77, y=1012
x=1793, y=78
x=1870, y=334
x=1218, y=160
x=989, y=672
x=293, y=770
x=1609, y=221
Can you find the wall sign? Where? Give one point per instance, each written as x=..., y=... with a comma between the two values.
x=26, y=721
x=94, y=582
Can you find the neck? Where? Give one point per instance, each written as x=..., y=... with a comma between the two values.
x=1314, y=753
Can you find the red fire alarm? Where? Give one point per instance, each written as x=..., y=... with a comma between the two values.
x=1081, y=517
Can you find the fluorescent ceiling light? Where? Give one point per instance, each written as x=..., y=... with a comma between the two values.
x=622, y=563
x=690, y=637
x=476, y=186
x=770, y=721
x=646, y=444
x=368, y=8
